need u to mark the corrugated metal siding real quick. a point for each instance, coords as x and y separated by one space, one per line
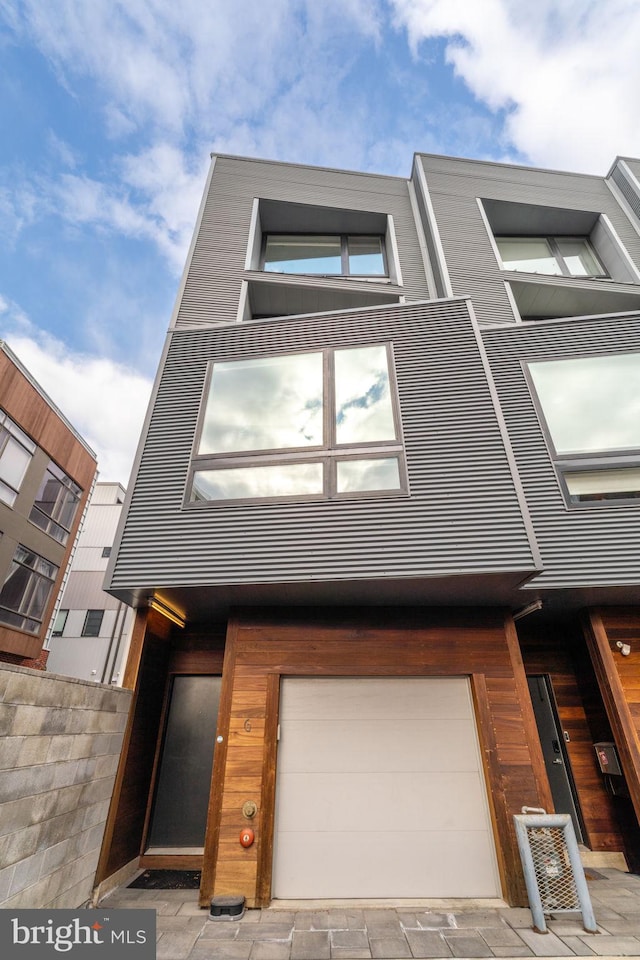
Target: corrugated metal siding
454 186
634 165
627 189
580 547
212 289
463 515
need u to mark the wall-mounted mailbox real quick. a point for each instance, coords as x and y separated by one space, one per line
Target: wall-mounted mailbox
607 757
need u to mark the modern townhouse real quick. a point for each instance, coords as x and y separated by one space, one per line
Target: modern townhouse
383 534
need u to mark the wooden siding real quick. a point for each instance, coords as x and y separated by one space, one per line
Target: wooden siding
619 680
559 651
57 441
157 650
212 288
263 646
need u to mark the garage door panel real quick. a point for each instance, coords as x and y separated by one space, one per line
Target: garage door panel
380 791
362 803
370 698
312 745
426 864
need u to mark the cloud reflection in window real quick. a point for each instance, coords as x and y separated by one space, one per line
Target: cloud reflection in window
264 404
591 404
364 412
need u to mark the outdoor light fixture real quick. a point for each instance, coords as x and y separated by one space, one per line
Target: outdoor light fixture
161 607
525 611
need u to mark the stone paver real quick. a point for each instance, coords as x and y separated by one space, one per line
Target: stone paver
467 944
511 952
269 950
545 944
265 931
342 932
427 943
614 946
310 945
502 936
390 949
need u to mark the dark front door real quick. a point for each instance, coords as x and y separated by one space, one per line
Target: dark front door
179 813
554 751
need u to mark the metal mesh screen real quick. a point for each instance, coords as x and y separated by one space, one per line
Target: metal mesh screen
553 869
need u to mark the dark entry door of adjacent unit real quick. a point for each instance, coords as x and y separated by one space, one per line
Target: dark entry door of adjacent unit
183 783
554 751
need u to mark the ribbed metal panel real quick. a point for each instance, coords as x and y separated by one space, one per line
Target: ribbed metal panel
212 288
590 545
627 189
634 165
455 185
463 514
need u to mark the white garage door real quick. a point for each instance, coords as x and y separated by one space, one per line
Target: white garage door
380 792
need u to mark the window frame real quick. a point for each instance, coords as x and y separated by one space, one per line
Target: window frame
61 615
87 617
34 577
587 461
52 522
552 241
327 454
10 431
344 255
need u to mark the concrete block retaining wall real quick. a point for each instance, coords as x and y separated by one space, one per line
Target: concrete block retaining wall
60 740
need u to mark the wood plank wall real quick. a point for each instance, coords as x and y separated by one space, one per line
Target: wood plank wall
157 651
559 651
619 680
263 646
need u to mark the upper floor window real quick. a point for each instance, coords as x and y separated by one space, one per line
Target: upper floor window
60 623
16 450
56 503
591 406
319 424
555 256
332 254
26 590
92 623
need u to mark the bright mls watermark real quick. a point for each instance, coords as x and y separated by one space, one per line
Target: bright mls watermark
79 934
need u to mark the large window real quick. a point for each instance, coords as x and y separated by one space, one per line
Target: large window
26 591
16 450
556 256
334 255
591 406
56 503
318 424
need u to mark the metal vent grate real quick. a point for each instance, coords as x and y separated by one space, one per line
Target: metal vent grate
552 868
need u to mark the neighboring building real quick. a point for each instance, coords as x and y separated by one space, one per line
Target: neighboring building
46 475
383 533
91 631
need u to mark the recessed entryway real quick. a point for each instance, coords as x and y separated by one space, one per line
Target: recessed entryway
380 791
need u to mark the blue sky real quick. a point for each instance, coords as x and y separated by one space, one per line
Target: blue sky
109 111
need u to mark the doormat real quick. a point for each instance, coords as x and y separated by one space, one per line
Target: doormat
167 880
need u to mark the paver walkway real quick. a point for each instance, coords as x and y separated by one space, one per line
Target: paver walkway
445 930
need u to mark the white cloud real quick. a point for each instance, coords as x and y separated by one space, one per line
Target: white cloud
103 400
567 74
